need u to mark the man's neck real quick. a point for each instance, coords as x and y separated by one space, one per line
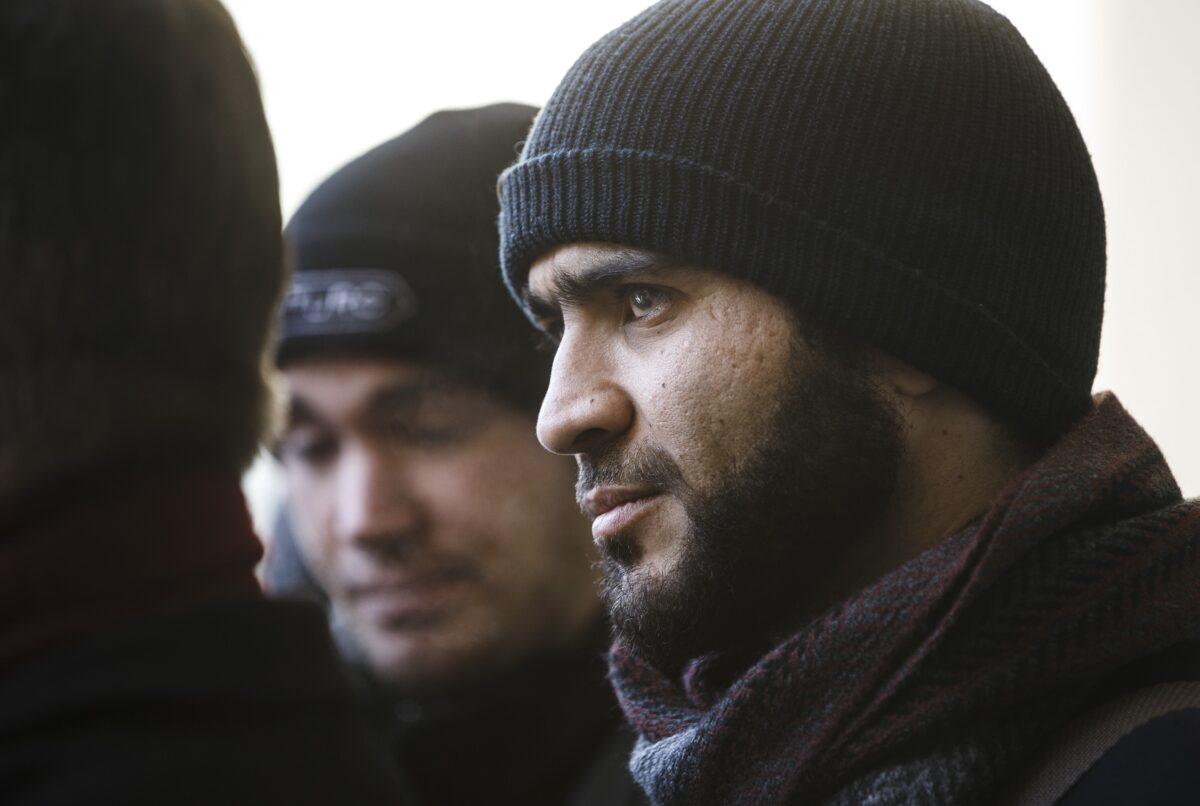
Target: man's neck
957 461
946 482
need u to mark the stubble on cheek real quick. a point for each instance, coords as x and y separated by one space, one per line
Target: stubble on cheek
715 397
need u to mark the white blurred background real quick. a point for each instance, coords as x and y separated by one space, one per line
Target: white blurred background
339 78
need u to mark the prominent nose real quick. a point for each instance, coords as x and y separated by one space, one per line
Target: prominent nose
584 408
376 502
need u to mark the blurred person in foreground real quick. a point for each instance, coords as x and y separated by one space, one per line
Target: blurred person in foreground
826 281
140 262
444 537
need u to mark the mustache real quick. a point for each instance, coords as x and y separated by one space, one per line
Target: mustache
641 466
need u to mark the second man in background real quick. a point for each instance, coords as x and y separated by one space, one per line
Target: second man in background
445 538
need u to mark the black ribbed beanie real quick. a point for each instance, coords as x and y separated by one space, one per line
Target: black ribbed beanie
396 256
905 170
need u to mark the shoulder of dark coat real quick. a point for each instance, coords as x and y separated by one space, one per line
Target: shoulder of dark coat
1157 764
230 701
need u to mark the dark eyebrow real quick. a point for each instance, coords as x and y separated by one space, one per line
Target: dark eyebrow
400 395
382 401
573 288
410 394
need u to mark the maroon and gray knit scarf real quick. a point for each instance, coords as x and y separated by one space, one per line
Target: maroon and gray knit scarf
936 683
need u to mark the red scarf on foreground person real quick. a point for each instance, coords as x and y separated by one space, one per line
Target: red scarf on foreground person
937 682
90 554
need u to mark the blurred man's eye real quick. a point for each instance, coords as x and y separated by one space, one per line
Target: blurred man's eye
438 421
432 430
313 450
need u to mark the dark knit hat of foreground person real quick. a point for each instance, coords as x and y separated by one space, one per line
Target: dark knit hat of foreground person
396 256
905 171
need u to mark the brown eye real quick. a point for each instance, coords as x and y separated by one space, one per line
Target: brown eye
644 301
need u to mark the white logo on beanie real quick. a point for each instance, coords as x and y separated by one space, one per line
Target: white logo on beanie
336 301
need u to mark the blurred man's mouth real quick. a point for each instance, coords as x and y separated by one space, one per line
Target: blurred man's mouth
411 598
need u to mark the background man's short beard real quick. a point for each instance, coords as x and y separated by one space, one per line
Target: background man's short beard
820 478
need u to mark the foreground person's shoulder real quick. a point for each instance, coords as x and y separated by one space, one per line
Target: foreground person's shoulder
1157 764
1142 747
235 700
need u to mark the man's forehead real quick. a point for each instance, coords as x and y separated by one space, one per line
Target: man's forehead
349 369
348 384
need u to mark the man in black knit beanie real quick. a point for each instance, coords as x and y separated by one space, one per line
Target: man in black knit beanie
439 533
826 280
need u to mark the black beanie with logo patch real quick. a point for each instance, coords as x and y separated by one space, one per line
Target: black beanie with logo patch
903 170
396 256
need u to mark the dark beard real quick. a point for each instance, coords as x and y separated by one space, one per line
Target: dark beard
769 533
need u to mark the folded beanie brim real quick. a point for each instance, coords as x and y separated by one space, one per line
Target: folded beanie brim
708 217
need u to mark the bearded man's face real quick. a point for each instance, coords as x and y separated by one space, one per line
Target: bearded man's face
728 464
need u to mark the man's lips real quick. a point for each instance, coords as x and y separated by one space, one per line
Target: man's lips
391 597
614 509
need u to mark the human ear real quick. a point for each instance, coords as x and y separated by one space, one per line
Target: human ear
901 378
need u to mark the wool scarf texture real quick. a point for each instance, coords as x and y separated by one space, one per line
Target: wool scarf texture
939 681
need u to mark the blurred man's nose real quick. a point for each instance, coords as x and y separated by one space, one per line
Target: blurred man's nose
584 408
376 502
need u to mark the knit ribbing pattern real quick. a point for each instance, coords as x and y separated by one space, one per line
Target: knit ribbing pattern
902 169
937 682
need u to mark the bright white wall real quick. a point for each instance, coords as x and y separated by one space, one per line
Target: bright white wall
1131 72
341 77
1148 157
